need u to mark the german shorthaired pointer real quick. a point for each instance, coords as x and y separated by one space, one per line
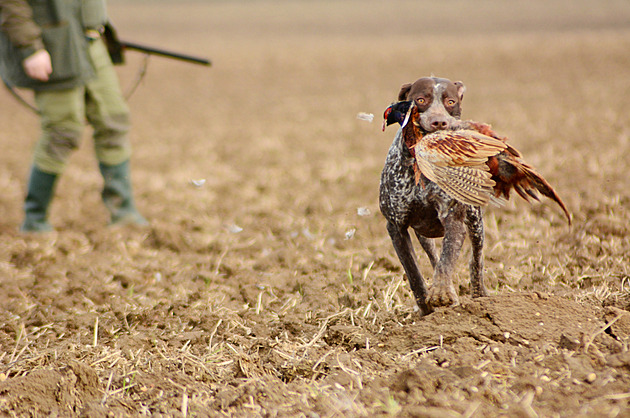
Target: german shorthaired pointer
408 199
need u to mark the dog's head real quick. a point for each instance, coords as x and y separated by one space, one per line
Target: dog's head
438 101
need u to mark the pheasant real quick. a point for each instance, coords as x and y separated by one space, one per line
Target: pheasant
469 161
395 113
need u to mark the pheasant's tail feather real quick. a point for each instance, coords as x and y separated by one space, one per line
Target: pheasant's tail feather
510 172
513 151
546 190
524 192
527 186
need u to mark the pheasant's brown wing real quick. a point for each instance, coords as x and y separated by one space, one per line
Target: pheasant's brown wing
456 162
469 185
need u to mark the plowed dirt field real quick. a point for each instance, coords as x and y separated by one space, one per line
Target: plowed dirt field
266 284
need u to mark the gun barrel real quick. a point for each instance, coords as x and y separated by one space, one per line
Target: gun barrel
164 53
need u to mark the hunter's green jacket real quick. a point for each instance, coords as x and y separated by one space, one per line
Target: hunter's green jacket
59 26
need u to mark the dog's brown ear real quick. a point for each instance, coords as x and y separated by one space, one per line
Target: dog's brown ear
404 89
461 88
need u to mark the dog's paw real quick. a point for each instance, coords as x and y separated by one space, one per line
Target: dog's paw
479 292
423 308
442 294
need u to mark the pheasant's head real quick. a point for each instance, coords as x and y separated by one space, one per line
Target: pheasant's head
395 113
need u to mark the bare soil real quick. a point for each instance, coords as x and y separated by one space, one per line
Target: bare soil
266 284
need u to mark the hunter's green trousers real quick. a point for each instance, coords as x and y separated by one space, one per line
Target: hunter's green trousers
64 113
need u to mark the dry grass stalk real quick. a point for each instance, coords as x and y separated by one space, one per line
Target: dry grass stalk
354 375
109 383
95 341
589 341
184 408
323 328
391 290
213 332
420 351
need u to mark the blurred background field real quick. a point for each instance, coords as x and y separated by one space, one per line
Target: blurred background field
270 286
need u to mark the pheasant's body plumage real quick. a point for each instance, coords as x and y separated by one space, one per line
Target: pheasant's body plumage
473 165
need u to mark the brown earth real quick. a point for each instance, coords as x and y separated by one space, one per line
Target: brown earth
266 284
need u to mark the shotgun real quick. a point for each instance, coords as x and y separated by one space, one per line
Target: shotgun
116 47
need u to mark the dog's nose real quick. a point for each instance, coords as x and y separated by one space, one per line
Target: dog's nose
439 124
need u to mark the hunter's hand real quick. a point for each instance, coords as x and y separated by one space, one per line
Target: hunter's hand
38 65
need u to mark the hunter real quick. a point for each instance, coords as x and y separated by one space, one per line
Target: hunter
55 48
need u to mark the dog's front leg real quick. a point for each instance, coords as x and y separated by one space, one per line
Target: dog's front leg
442 292
404 249
474 224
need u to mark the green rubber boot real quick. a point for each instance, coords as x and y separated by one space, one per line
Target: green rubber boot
118 197
41 187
